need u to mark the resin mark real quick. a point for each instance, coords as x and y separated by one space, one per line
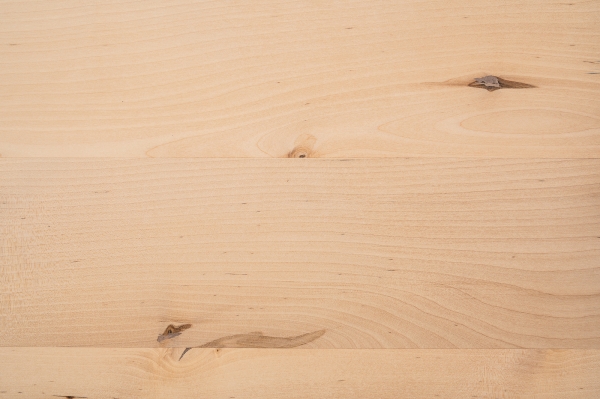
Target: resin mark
258 340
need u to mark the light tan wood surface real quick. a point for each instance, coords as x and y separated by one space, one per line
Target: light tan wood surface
298 373
324 79
440 237
390 253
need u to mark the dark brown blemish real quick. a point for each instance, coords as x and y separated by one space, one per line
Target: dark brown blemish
69 396
171 331
258 340
492 83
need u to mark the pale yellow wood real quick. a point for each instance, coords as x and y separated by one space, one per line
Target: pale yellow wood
390 253
296 373
137 278
320 79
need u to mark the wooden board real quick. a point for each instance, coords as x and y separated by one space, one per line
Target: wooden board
321 79
392 253
440 238
297 373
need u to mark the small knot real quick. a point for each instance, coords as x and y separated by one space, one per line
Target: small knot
300 152
303 147
491 83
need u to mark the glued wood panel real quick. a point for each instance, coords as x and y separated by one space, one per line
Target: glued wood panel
315 79
297 373
395 253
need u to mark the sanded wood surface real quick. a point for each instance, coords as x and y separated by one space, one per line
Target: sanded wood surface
390 253
297 373
438 238
283 78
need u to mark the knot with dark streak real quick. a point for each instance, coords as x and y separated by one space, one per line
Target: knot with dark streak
171 331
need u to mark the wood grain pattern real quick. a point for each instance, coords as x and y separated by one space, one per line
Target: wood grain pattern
391 253
297 373
185 78
442 242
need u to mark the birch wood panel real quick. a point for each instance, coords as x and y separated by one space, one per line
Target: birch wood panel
390 253
355 78
296 373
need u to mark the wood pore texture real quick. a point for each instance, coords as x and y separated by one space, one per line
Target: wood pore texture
310 199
